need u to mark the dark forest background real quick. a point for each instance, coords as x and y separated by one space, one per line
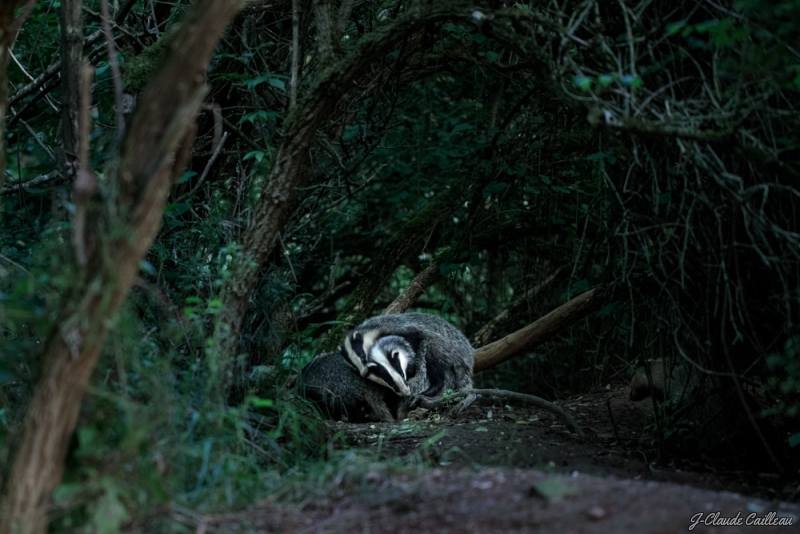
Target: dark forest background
506 156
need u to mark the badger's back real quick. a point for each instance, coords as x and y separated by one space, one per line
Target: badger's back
445 352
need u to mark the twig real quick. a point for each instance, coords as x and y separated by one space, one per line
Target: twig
318 302
38 141
28 75
39 180
288 258
241 135
611 415
295 53
206 170
15 264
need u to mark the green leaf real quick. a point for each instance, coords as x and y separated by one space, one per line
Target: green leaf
257 154
478 37
794 440
544 178
704 27
604 80
584 83
447 304
552 489
257 402
608 309
631 81
494 187
147 267
675 27
433 439
188 175
65 491
259 116
492 56
278 84
532 189
254 82
447 268
561 189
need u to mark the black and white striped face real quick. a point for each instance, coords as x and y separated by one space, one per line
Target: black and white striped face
355 348
388 363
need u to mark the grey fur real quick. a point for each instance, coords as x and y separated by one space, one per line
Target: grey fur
441 350
341 394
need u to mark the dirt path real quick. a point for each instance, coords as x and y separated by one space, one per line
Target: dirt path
518 470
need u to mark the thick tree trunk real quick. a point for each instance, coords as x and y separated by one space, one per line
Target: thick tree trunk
288 174
146 171
540 330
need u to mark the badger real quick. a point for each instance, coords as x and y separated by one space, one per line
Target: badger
342 394
665 381
432 345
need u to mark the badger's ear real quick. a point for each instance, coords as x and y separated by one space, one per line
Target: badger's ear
411 370
396 354
414 337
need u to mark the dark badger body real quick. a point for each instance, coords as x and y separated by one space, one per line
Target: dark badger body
342 394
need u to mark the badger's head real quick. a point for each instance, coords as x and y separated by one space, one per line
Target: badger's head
355 348
391 362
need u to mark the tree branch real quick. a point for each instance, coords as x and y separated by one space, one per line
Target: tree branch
429 276
487 331
540 330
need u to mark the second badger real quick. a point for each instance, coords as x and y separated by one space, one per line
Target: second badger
435 357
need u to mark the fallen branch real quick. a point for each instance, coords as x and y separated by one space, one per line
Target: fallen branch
486 394
487 331
540 330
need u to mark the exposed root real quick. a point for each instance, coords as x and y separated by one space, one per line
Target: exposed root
468 396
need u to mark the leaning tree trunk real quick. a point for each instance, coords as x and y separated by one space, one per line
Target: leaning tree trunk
148 166
541 330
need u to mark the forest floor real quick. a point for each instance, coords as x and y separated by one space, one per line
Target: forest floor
506 469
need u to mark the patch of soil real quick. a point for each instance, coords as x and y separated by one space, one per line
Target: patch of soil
532 437
503 469
511 501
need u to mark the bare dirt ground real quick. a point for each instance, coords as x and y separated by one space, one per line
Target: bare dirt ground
504 469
